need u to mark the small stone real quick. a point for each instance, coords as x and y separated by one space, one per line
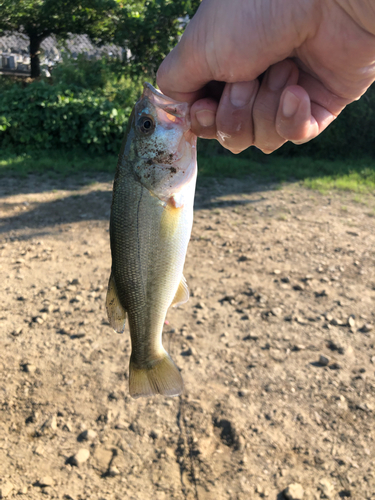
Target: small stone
285 279
46 481
190 351
298 287
243 393
80 457
324 360
326 488
29 368
200 305
113 471
294 492
38 319
276 271
367 328
87 435
75 281
17 332
337 322
276 311
351 321
23 490
5 489
50 424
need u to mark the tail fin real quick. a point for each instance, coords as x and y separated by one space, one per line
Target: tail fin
160 377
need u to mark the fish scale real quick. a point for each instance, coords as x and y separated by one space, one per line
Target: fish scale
150 227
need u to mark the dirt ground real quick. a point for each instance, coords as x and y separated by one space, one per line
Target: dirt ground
276 347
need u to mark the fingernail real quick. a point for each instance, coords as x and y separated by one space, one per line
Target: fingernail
290 104
278 76
205 118
240 93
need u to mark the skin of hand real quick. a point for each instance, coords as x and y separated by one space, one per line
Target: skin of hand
315 57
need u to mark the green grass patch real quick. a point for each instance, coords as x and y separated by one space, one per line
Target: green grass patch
323 175
55 164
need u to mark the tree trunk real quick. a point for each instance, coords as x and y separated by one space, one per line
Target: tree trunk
35 42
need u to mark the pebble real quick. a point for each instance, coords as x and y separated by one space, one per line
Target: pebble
17 332
324 360
113 471
46 481
23 490
80 457
49 424
5 489
326 488
298 287
337 322
294 492
200 305
87 435
190 351
367 328
351 321
276 311
38 319
29 368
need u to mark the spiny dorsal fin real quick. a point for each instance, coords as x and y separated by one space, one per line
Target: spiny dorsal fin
182 294
116 313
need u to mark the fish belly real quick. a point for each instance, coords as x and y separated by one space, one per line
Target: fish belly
148 242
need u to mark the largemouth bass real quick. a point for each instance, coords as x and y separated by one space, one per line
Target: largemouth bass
150 227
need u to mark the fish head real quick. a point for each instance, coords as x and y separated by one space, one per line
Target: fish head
164 146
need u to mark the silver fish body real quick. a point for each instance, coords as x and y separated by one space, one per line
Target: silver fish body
150 227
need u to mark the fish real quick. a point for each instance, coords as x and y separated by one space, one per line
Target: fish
150 227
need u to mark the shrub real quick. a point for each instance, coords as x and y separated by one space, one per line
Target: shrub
44 116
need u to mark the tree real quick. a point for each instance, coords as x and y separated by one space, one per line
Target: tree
39 19
151 28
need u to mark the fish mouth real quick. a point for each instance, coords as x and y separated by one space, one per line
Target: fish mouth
167 104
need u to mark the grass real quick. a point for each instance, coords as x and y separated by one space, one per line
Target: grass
322 175
54 163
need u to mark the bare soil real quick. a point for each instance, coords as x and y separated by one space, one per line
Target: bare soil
276 347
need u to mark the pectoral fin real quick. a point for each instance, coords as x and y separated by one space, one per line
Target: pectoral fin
182 294
116 312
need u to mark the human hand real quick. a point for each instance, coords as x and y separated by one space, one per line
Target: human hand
317 56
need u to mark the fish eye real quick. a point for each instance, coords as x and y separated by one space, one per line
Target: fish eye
146 125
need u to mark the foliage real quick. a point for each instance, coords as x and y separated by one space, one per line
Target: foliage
150 29
101 75
41 116
40 18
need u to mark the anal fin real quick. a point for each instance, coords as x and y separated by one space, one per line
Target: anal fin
182 294
116 312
